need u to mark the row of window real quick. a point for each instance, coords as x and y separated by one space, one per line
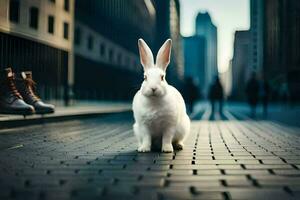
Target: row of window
66 4
113 56
14 16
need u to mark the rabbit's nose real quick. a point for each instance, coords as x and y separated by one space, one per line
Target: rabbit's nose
153 89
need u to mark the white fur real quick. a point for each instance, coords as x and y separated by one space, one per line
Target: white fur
160 113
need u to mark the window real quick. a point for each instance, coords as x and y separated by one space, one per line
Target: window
51 24
102 49
67 5
66 30
77 36
14 10
90 42
34 17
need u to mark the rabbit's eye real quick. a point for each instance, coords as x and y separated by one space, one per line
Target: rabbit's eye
162 77
145 77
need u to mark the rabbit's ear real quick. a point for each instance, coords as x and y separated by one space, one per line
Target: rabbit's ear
164 54
146 55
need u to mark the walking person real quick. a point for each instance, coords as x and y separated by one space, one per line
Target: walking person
191 93
252 90
265 97
216 94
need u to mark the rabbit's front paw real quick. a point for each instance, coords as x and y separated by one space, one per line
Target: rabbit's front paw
167 148
178 145
144 149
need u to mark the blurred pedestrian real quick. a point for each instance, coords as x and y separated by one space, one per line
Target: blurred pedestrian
191 93
252 90
265 97
284 94
216 94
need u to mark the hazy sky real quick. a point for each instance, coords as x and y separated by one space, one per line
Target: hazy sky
227 15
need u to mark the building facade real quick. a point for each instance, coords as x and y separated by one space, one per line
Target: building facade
87 49
206 29
168 26
107 63
241 65
195 60
256 34
282 46
38 36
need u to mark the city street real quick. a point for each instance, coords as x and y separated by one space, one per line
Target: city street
96 158
72 73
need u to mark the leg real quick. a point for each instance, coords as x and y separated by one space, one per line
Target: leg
167 140
192 106
212 114
145 139
178 145
221 107
181 133
212 107
137 134
254 111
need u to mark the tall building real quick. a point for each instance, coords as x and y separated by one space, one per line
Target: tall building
195 60
168 26
226 80
206 29
256 31
241 67
38 36
106 51
87 49
107 64
282 45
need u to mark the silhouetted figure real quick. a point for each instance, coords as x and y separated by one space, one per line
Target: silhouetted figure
265 97
191 93
252 90
216 94
284 94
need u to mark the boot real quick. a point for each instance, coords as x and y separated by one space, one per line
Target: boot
11 102
26 87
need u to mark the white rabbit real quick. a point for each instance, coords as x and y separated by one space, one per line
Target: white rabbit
159 109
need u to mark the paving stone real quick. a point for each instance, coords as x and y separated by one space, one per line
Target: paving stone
186 194
195 167
196 178
273 162
183 172
238 183
259 194
219 162
280 184
263 166
244 171
248 162
288 172
295 162
97 159
200 196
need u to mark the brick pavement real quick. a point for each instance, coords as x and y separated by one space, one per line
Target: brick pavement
96 159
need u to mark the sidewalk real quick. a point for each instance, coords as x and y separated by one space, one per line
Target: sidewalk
97 159
79 110
276 112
